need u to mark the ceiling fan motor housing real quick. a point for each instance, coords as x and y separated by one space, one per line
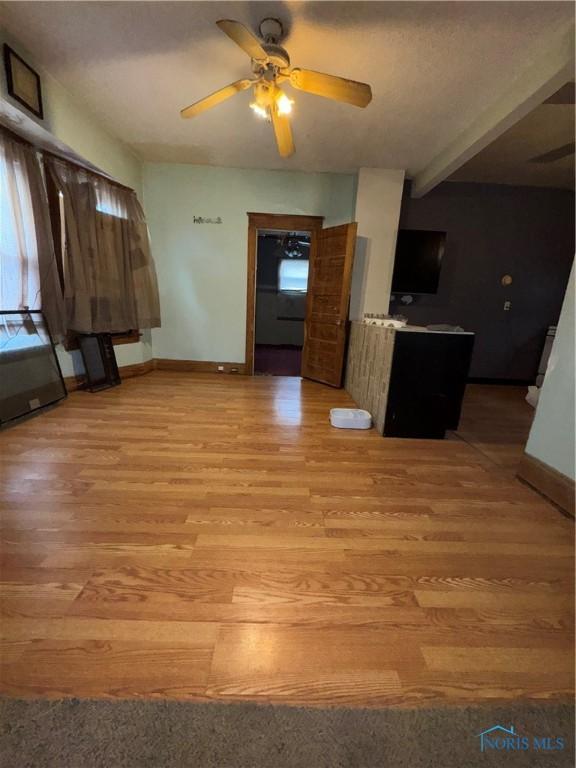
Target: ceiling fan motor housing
277 55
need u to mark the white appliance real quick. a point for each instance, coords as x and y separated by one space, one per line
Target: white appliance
350 418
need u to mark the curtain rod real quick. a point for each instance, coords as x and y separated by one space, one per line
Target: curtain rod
46 153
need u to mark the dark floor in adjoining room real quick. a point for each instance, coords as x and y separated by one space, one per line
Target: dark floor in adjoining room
277 359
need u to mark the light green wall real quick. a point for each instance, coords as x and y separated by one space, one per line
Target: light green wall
552 435
80 131
202 267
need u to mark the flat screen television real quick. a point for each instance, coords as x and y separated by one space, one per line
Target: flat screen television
418 260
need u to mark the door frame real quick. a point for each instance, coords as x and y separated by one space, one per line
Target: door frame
281 222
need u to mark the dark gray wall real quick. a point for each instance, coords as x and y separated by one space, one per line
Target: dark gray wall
493 230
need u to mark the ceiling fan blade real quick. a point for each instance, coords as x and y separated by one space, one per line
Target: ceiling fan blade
331 87
215 98
555 154
242 36
282 131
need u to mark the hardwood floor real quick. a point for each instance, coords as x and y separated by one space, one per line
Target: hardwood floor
204 536
496 420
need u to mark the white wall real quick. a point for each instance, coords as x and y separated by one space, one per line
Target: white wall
71 124
202 267
378 201
551 438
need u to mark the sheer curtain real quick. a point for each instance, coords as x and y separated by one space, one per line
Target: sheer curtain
28 270
109 277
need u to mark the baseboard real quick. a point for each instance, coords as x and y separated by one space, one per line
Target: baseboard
550 483
137 369
164 364
198 366
126 372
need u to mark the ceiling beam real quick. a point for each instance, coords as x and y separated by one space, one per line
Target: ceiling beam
553 68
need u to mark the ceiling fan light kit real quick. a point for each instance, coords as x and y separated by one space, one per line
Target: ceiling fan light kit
270 68
268 97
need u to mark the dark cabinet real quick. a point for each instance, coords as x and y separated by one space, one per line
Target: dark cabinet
428 376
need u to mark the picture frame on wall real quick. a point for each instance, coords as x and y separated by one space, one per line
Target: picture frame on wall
23 82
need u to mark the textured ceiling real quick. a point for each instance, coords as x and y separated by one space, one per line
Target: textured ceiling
509 159
433 67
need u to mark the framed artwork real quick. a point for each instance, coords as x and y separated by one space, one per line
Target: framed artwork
23 82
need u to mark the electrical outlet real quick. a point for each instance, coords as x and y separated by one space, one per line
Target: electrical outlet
221 368
507 305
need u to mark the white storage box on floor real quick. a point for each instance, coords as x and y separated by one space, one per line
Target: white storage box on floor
350 418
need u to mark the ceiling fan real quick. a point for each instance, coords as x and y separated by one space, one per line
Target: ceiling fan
271 68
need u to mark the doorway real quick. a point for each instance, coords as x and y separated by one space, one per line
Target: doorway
280 251
282 265
316 349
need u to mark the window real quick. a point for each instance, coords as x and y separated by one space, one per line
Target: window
106 202
19 278
293 275
19 331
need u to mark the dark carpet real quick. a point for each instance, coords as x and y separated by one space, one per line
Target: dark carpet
74 733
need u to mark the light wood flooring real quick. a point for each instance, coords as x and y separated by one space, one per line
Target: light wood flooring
202 536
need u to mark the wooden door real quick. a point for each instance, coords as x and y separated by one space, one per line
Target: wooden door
326 326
